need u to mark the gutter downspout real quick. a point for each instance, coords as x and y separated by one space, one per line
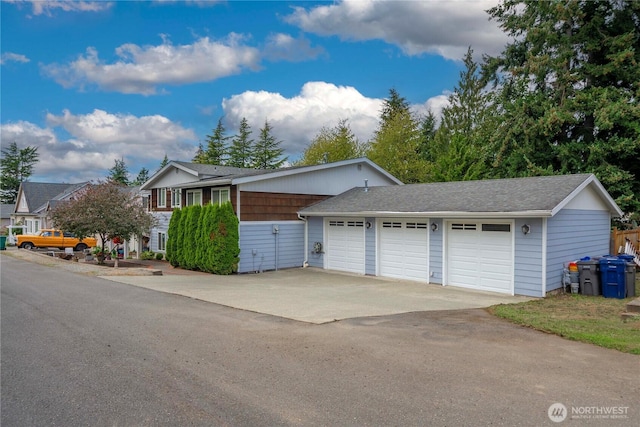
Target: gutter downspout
305 263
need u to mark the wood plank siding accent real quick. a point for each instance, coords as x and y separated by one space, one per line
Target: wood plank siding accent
256 206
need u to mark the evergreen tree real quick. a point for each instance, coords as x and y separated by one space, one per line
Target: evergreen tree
216 151
461 139
568 92
394 104
192 234
428 127
143 176
119 173
172 237
164 162
332 145
16 166
267 153
395 147
200 156
240 153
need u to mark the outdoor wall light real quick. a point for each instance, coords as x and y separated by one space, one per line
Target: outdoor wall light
434 226
367 224
526 229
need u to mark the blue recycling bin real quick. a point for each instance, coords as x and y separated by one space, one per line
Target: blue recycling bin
612 272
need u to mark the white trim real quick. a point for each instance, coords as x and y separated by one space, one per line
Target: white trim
179 204
274 221
429 214
219 189
613 207
156 176
193 192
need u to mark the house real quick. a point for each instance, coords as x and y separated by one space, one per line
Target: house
35 199
266 202
6 209
508 235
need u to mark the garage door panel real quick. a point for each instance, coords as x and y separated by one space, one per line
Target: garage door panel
478 258
345 245
404 249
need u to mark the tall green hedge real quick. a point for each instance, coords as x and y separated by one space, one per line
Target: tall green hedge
204 238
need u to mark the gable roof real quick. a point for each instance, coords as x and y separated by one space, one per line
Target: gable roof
534 196
38 194
6 209
227 175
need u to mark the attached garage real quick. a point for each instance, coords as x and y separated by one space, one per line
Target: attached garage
345 244
503 235
404 251
480 255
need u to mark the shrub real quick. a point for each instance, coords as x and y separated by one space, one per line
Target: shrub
172 238
159 256
147 255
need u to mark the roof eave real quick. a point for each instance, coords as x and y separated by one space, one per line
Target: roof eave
442 214
591 179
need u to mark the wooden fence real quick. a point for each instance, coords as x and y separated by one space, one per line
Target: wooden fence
619 239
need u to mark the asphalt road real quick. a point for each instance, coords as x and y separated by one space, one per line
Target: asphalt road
80 350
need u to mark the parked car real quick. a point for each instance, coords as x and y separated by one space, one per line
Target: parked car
49 238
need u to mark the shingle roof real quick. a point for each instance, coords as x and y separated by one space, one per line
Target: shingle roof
38 193
6 209
215 171
533 194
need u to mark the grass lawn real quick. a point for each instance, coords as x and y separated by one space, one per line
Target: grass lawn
583 318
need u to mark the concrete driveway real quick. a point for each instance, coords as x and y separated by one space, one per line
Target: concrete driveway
318 296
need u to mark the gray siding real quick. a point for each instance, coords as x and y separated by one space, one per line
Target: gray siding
370 248
261 249
435 252
571 235
316 234
163 225
528 258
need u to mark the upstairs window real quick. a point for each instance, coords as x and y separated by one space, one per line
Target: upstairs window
176 198
220 196
162 197
194 197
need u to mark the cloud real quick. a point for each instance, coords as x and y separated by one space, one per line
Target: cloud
141 69
93 141
297 120
443 28
46 7
283 47
12 57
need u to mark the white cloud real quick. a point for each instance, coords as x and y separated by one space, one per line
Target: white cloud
95 140
297 120
12 57
445 28
142 69
283 47
46 7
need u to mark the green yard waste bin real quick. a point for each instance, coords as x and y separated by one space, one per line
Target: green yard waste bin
3 243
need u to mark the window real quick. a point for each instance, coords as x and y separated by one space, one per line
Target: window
220 196
391 224
176 198
461 226
194 197
162 197
162 241
496 227
33 226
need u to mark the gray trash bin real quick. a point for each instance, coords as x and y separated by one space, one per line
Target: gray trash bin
589 277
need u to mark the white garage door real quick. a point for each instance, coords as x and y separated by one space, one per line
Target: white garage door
404 250
345 245
480 256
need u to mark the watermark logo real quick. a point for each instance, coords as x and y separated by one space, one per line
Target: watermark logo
557 412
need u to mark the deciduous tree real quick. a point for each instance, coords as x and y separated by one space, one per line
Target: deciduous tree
332 145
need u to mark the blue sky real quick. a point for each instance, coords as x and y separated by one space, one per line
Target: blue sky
91 82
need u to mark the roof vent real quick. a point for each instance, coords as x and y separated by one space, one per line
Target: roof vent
366 185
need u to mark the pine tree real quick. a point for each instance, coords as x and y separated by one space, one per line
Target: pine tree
200 156
119 173
267 153
143 176
164 162
240 153
16 166
216 151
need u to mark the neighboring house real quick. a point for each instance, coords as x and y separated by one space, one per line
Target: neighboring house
35 199
265 201
510 235
5 214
